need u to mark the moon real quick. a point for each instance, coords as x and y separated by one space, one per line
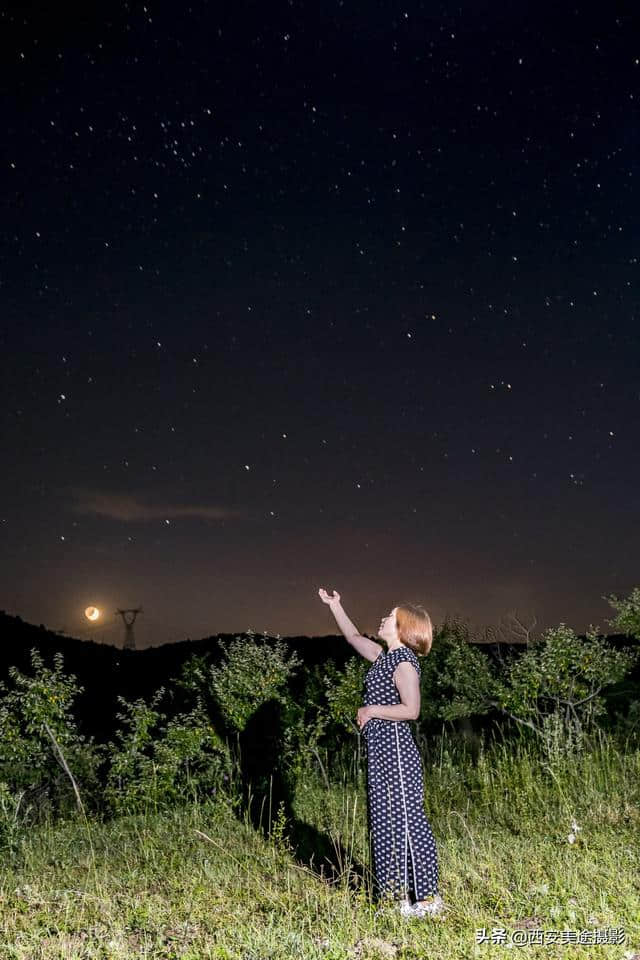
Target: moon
92 613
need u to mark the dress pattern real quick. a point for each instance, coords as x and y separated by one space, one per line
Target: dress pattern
405 859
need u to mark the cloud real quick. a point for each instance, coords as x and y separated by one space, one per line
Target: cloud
132 509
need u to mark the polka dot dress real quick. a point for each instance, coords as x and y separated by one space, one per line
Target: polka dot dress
405 860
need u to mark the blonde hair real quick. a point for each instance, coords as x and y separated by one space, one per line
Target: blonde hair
414 627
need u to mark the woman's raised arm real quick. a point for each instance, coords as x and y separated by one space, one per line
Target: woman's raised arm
369 649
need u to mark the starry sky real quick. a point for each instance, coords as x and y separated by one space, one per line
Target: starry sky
336 295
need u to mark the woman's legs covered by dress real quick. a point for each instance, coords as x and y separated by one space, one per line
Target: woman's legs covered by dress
422 859
385 817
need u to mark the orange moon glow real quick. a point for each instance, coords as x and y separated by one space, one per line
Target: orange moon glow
92 613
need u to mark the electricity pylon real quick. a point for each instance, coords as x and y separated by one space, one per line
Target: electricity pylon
129 636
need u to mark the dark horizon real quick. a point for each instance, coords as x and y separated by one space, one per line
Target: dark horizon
508 631
340 298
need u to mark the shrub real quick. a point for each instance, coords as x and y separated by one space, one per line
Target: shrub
628 616
554 687
344 691
34 781
306 722
157 762
458 678
252 672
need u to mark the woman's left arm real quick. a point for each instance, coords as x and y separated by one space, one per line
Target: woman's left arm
408 684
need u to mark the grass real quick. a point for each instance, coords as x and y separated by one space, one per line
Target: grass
198 882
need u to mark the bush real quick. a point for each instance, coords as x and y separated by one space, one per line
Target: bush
628 613
33 782
458 678
158 762
554 687
251 673
306 723
344 691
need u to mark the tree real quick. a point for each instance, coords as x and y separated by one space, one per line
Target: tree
559 679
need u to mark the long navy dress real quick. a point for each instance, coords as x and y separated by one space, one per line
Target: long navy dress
405 859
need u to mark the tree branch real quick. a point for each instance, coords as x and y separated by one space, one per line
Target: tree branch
63 763
578 703
322 769
526 723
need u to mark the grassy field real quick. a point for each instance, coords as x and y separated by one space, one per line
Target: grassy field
199 882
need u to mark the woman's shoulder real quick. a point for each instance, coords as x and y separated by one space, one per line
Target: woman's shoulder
405 653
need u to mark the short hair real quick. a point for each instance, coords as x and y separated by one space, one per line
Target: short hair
414 627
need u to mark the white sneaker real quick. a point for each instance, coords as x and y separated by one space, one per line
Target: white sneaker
435 906
402 907
405 909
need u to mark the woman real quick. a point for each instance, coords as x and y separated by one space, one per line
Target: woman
405 859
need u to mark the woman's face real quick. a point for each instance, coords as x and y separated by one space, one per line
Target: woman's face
387 630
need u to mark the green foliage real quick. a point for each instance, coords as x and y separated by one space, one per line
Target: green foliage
628 724
628 618
33 780
305 726
157 762
344 691
301 742
194 677
14 812
561 676
191 759
252 672
458 679
551 688
131 770
279 831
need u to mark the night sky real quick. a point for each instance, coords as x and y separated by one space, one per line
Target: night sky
304 295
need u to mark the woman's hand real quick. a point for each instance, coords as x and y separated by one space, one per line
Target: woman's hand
324 596
363 715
